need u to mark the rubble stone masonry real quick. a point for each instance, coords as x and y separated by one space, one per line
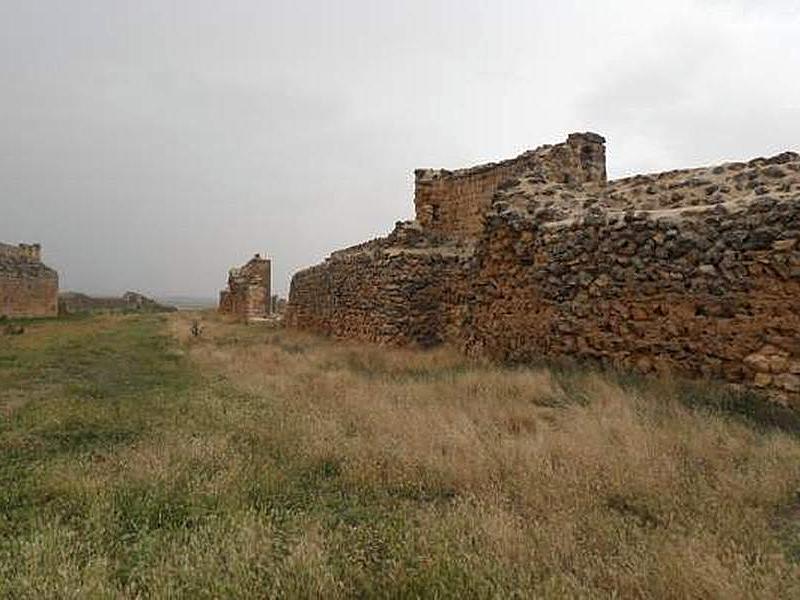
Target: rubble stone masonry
28 288
249 291
694 272
455 203
392 290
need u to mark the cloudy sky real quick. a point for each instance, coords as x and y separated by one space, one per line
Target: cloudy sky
152 144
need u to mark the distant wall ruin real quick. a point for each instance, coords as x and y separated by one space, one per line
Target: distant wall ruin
249 291
28 288
71 303
694 272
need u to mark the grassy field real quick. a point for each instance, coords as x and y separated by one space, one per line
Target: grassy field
136 461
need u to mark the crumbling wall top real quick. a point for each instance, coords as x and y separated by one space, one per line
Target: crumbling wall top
21 252
24 260
730 186
455 203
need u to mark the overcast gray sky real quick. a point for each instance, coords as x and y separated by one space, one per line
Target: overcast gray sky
152 144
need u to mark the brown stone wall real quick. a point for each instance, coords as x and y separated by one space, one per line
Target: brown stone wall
711 291
28 288
249 292
454 203
383 293
26 294
693 272
225 302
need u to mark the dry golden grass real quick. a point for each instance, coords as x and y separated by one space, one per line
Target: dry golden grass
595 490
259 462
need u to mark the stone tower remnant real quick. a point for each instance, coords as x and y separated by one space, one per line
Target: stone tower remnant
28 288
249 291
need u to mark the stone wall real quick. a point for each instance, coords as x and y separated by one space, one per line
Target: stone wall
694 272
28 288
394 290
249 291
454 203
706 292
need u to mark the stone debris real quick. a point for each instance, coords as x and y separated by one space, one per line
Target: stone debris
694 272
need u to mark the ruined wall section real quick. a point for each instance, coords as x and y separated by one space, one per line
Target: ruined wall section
710 291
413 286
395 290
454 203
249 291
77 303
28 288
694 272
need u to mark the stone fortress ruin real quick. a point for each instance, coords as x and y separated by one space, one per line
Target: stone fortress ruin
694 272
249 291
28 288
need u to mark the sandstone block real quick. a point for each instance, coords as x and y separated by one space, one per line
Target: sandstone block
784 245
758 362
763 380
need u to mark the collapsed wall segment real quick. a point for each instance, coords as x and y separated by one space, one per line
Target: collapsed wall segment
691 271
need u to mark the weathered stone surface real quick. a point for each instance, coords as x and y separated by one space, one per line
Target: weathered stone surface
400 289
249 292
788 382
28 288
454 203
695 272
670 306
